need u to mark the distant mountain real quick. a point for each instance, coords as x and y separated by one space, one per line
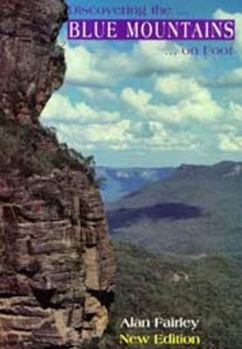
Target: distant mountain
195 211
119 182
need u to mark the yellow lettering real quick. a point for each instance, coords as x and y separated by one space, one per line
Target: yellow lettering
132 339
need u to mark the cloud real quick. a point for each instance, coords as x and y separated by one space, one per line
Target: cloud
100 93
83 67
112 135
104 66
230 142
84 127
146 58
141 102
167 140
190 101
111 132
88 129
233 79
221 14
138 100
121 112
155 57
235 111
61 109
177 87
194 101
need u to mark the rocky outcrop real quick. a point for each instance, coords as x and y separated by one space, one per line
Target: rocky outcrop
32 66
56 264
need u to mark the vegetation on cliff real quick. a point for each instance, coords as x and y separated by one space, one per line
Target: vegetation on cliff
35 150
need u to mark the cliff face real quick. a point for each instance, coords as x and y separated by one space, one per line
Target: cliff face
32 66
56 263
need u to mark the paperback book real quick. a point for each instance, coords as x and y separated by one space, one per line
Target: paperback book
120 174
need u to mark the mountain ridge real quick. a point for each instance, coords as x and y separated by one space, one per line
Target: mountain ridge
119 182
149 216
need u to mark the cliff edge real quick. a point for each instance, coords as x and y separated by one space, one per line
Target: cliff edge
56 264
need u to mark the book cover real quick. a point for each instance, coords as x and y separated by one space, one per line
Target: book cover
120 174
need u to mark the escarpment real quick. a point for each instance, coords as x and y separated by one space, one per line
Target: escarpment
56 264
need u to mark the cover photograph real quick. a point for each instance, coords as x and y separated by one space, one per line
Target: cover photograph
120 174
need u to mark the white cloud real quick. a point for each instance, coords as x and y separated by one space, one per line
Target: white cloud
178 113
139 100
234 77
190 101
84 127
87 128
83 67
231 79
178 87
147 57
221 14
100 93
154 56
230 142
104 66
167 140
111 132
95 134
235 111
60 108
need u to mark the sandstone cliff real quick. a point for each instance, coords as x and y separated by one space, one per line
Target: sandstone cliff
56 264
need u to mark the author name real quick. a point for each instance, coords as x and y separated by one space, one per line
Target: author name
161 323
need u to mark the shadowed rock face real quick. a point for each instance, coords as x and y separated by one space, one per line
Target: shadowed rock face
56 264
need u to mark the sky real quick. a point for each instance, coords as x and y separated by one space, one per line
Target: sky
137 104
